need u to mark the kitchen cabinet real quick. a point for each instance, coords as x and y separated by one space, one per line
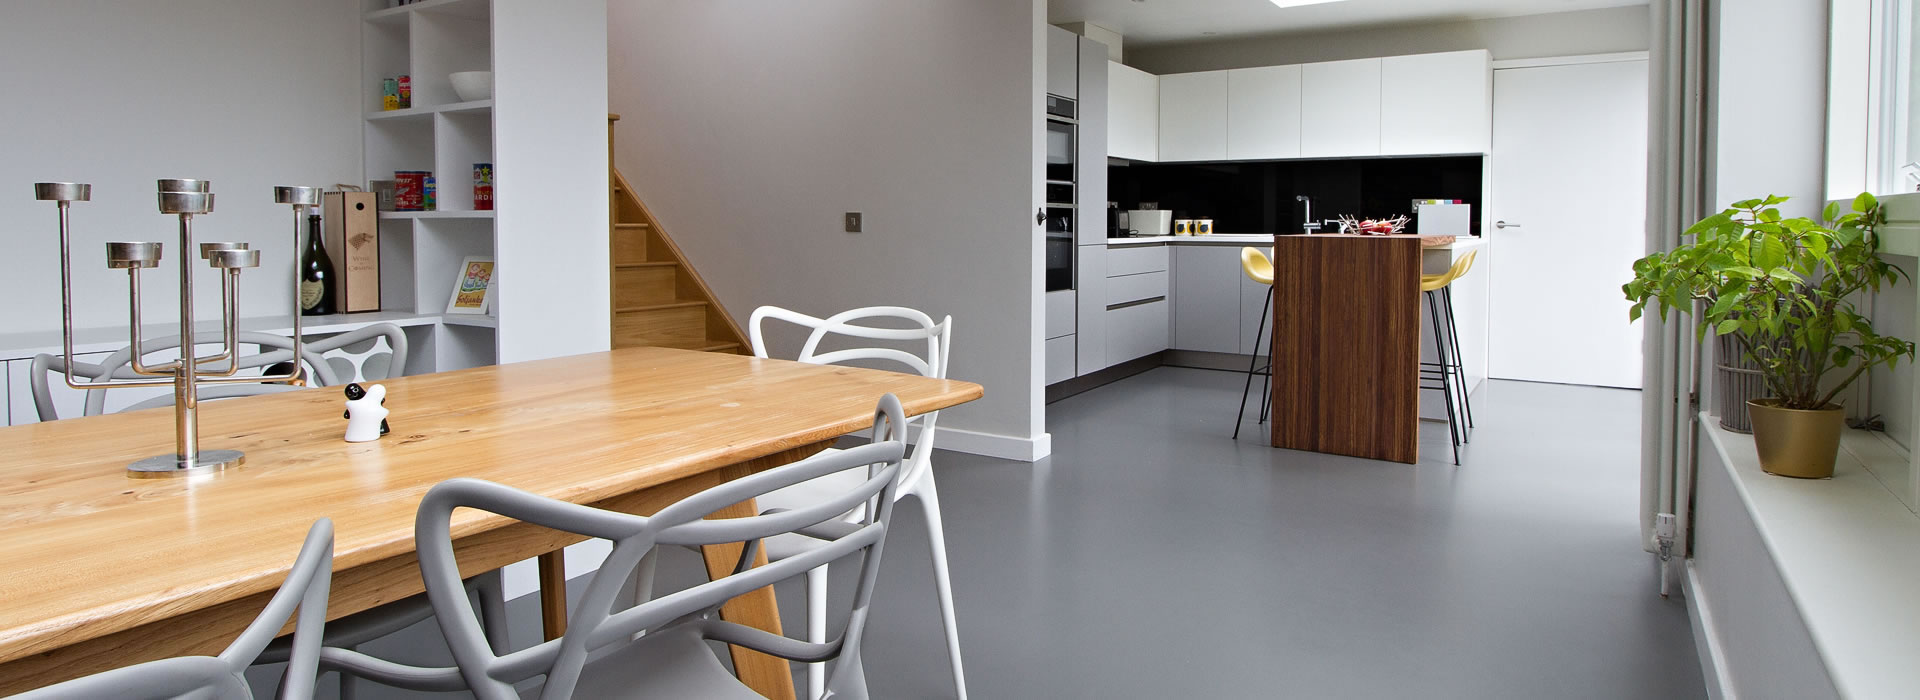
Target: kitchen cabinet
1133 113
1135 260
1263 113
1193 116
1206 298
1063 63
1340 109
1060 311
1436 103
1137 330
1060 359
1090 270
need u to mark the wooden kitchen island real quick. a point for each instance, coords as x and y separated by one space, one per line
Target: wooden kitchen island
1346 345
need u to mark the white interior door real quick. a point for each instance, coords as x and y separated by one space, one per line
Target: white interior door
1569 182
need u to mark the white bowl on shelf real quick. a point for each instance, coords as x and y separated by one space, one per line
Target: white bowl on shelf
472 85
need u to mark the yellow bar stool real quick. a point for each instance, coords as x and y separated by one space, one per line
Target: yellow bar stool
1259 268
1447 373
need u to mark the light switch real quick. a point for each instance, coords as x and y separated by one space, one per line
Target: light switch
853 222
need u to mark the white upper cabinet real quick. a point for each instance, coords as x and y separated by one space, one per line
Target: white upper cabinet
1193 116
1133 113
1063 63
1340 114
1263 113
1436 103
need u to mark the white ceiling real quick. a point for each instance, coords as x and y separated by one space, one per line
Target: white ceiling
1164 21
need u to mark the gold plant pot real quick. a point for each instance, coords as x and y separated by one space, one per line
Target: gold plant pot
1796 443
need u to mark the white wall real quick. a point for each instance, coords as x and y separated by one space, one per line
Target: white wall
248 94
550 126
1534 36
748 128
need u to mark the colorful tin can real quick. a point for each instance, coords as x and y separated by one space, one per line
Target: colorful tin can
482 186
430 202
409 190
405 91
390 94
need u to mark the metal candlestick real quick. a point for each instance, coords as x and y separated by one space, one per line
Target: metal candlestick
185 199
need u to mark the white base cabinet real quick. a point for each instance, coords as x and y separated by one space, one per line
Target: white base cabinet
1060 365
1206 298
1138 311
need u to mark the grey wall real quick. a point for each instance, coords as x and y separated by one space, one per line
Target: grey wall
749 127
1561 34
120 94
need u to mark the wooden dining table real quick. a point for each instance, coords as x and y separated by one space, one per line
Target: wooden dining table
98 570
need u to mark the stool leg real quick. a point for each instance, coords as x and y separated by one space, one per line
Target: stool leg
1446 385
1252 362
1459 360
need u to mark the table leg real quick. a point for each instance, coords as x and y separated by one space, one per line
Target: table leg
767 675
553 593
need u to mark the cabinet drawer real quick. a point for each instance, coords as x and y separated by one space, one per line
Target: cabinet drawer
1136 331
1133 261
1060 359
1060 313
1136 288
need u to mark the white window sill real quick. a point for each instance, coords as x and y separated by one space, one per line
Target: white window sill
1848 550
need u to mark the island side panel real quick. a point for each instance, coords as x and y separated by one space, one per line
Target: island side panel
1346 346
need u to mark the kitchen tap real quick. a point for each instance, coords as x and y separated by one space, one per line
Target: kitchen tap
1307 224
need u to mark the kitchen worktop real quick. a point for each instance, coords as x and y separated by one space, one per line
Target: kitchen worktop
1460 243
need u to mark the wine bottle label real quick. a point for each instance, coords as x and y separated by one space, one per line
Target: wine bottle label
310 293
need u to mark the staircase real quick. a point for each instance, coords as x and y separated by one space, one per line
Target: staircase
658 299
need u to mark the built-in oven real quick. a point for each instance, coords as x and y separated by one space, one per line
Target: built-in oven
1062 144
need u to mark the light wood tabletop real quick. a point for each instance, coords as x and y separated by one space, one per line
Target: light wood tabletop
101 570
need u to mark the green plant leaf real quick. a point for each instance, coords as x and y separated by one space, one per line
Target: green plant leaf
1832 210
1727 326
1864 202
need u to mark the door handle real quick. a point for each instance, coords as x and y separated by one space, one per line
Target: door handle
1503 224
1040 217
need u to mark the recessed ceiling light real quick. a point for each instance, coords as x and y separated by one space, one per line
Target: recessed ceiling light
1297 3
1209 33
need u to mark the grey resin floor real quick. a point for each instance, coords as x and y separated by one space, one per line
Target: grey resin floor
1152 557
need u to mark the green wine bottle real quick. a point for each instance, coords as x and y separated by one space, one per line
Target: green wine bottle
316 273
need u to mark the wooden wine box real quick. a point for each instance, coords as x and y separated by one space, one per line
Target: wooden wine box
352 226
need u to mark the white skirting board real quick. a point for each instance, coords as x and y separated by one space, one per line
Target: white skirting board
1019 449
1706 640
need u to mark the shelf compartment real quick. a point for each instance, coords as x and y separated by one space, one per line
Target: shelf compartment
439 244
435 214
461 139
446 41
386 54
379 13
398 144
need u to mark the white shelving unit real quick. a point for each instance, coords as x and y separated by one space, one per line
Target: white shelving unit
440 133
551 153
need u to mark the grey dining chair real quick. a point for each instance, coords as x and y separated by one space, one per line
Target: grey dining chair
344 366
920 346
220 677
656 648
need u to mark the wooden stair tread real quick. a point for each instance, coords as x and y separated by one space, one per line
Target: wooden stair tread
628 226
638 265
718 347
658 307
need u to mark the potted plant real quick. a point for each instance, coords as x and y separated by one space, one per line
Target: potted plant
1784 288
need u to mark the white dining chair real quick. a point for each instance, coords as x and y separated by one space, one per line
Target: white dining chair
658 648
356 355
222 677
932 341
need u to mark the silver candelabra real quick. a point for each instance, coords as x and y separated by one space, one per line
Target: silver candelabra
186 199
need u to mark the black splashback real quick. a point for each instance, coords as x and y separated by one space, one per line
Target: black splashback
1258 196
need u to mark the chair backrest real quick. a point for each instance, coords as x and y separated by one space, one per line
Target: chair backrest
593 626
274 349
221 677
857 325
